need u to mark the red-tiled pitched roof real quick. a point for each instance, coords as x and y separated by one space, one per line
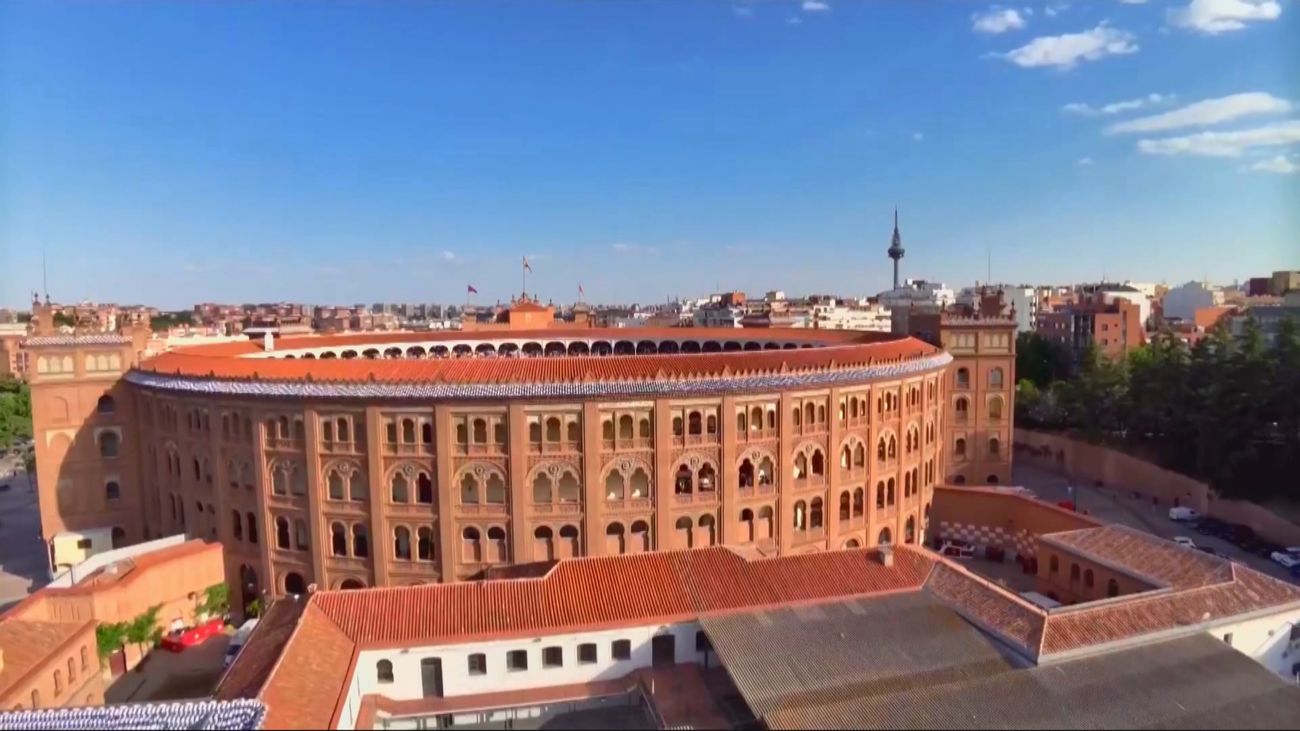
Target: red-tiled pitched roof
612 591
843 349
995 609
29 645
304 687
1145 555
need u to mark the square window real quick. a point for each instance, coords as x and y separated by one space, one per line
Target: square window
553 657
517 661
587 653
478 664
622 650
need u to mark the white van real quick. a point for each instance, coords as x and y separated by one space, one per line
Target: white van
1181 514
237 642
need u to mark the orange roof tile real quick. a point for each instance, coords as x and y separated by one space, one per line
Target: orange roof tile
28 645
1144 555
303 689
841 349
612 591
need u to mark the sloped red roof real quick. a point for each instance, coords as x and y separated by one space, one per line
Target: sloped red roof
838 349
611 591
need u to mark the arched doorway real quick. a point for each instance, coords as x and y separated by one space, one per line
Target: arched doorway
249 591
294 583
350 584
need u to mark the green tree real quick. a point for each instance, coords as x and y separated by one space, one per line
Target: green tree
15 411
109 638
255 607
144 630
215 601
1040 360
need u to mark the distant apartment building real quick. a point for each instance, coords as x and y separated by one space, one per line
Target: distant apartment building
1267 317
1284 281
1182 302
1114 326
1022 298
723 310
834 315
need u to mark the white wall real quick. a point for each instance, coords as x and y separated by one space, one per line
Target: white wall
1182 302
456 681
1266 640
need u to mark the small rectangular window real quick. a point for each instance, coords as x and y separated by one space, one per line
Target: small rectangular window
587 653
478 664
622 650
553 657
83 544
517 661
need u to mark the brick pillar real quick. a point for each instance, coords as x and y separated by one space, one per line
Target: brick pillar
728 474
320 542
521 495
593 495
265 538
448 552
784 483
831 509
381 552
663 478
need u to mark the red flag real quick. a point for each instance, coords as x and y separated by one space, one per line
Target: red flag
472 290
580 292
527 267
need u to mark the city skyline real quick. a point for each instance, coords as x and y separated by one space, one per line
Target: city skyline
396 153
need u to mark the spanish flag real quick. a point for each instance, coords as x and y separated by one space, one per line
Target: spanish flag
472 290
527 266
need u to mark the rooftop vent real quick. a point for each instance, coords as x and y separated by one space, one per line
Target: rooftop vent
886 556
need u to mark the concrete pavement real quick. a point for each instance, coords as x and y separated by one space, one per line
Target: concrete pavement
24 566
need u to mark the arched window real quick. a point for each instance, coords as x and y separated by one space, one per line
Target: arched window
426 433
639 484
338 539
995 378
402 543
800 516
607 430
859 456
708 478
105 405
423 489
109 445
360 541
469 490
496 490
497 540
384 671
859 500
694 424
112 491
282 532
499 432
959 448
1088 578
424 544
882 449
684 483
1054 565
995 408
909 530
1112 588
544 545
1074 573
818 463
236 523
357 486
542 493
480 431
335 485
963 378
880 495
462 433
553 429
401 488
798 416
58 682
643 428
685 529
893 446
746 473
742 422
677 426
885 537
300 535
993 447
846 511
344 432
711 424
614 485
624 427
889 491
816 515
279 480
809 414
408 431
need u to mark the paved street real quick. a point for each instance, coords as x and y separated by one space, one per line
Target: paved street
23 564
1116 504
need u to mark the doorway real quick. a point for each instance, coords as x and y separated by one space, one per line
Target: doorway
663 650
431 677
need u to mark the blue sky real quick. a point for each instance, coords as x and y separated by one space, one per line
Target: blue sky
362 152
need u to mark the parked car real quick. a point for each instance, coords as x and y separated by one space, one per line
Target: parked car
179 639
1182 514
1067 504
1184 542
1210 551
1286 560
237 642
957 549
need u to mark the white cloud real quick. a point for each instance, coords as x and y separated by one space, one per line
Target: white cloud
1066 51
917 136
626 248
1134 2
997 20
1279 165
1117 107
793 20
814 6
1055 9
1205 113
1084 161
448 256
1225 144
1221 16
743 11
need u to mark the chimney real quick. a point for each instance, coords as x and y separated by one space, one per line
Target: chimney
268 341
886 555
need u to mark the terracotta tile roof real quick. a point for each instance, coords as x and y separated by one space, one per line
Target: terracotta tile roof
839 351
131 569
28 644
1088 626
303 689
246 677
612 591
988 606
69 340
1145 555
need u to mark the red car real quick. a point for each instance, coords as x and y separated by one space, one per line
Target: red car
179 639
1067 504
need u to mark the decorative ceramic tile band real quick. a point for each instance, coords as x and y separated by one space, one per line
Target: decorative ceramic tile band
558 390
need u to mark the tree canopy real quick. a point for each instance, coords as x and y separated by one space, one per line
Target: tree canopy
15 411
1226 411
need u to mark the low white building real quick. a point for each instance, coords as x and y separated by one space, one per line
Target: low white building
838 316
1182 302
917 292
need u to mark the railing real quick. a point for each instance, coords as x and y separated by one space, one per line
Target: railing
404 448
483 509
636 503
557 508
339 446
754 435
809 482
853 523
553 447
283 443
